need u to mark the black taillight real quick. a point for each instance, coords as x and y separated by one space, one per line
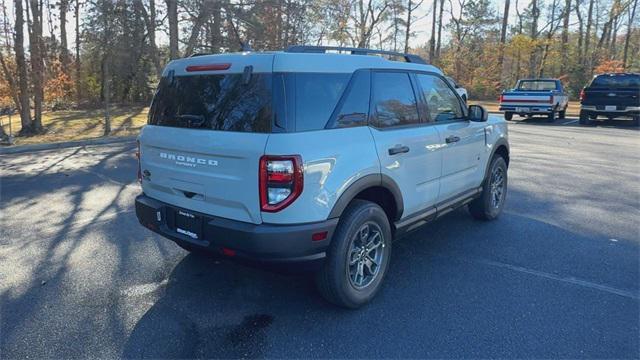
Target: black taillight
281 181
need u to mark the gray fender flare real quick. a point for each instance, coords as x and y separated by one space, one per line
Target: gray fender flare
499 143
364 183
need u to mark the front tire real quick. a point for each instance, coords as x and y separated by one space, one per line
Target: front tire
358 257
494 192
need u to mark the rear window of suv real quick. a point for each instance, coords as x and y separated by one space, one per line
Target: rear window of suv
229 102
616 81
282 102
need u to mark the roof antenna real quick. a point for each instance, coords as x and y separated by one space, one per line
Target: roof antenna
243 46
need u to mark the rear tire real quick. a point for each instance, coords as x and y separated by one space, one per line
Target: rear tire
584 119
562 114
494 192
358 257
636 120
551 117
508 116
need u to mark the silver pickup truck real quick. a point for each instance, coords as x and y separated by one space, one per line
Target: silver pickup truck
535 97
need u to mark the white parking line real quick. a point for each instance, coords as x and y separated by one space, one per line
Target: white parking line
569 122
571 280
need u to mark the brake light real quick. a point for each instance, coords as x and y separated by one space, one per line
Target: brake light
208 67
281 181
138 155
582 95
501 99
551 99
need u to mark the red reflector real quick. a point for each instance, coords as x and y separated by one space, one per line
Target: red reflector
228 252
210 67
319 236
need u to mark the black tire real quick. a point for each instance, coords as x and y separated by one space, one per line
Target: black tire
335 279
562 114
584 118
483 208
508 116
636 120
551 117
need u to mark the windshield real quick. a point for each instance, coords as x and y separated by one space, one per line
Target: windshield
216 102
616 81
537 85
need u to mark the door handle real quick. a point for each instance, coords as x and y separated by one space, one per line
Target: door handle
398 149
452 139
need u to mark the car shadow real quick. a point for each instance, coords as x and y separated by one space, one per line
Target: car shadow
443 285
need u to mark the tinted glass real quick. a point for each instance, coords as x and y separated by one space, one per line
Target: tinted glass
537 85
616 81
442 102
395 102
316 96
215 102
355 107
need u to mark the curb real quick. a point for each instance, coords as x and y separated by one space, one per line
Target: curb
18 149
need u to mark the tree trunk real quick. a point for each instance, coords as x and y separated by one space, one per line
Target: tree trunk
21 64
439 42
150 23
407 33
106 94
627 37
565 35
78 80
580 29
503 35
64 51
432 42
535 14
586 60
202 17
37 63
172 14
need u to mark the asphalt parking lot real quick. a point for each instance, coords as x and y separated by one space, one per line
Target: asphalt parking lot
556 276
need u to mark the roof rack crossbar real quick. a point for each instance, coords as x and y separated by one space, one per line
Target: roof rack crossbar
410 58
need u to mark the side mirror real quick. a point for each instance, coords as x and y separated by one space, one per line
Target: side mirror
478 113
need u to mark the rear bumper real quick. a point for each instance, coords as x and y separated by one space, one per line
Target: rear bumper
527 109
621 111
269 243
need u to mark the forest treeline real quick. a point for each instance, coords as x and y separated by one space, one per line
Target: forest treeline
57 54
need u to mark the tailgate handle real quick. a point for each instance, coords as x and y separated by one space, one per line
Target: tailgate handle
189 194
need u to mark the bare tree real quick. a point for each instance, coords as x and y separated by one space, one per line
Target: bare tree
37 63
587 36
21 64
535 15
78 79
64 51
172 15
565 34
366 18
150 22
503 33
627 37
411 7
432 42
439 42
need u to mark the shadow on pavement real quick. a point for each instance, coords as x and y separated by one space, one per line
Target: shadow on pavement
442 298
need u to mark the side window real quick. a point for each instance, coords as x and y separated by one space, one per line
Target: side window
442 102
316 96
394 101
355 107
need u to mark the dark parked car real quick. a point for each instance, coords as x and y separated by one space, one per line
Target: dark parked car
611 96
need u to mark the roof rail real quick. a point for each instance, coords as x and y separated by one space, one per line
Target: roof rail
410 58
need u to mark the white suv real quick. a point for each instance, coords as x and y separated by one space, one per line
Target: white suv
308 156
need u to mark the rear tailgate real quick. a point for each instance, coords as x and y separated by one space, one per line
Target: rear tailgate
618 97
526 98
208 126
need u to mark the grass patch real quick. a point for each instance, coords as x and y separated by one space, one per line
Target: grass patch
67 125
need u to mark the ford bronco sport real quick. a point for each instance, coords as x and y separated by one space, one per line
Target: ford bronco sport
314 155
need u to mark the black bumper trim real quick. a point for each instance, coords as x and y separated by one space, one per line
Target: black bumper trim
257 242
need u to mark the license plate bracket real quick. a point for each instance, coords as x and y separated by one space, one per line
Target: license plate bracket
610 108
188 224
